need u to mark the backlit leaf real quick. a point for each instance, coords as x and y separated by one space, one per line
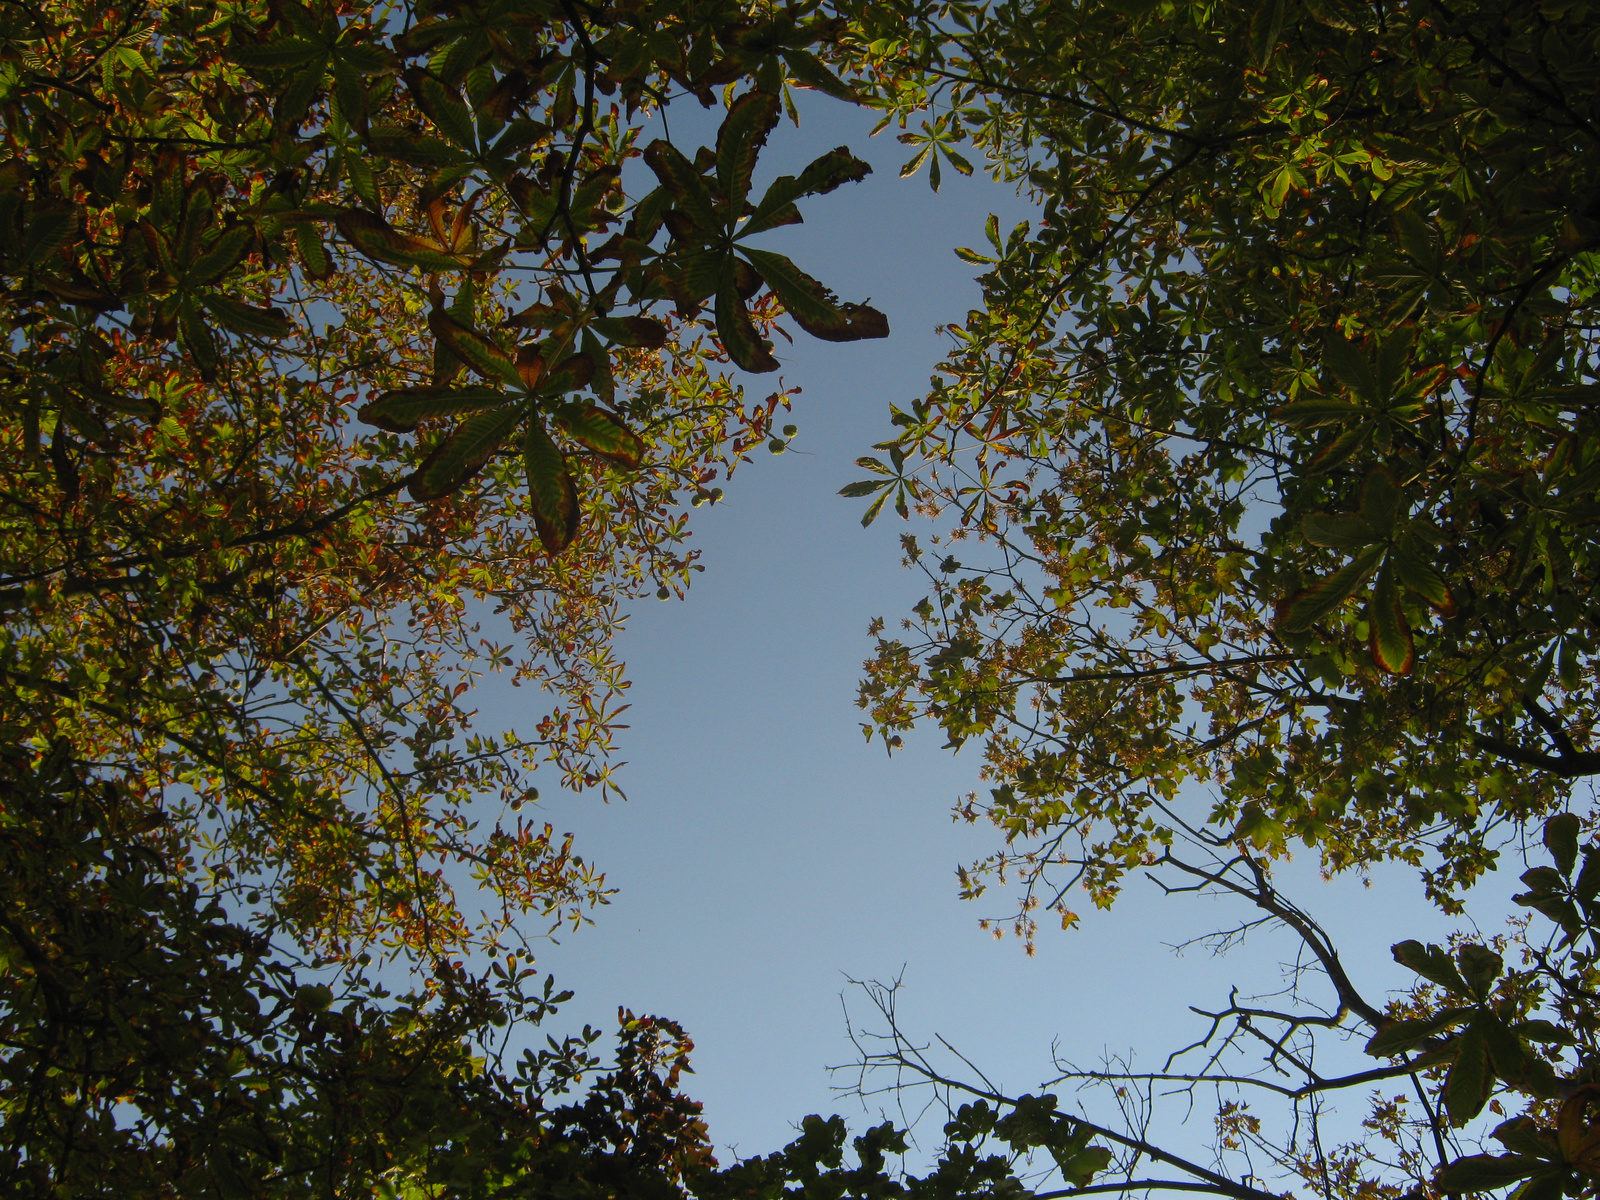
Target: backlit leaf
737 333
551 492
603 432
1300 611
464 452
814 308
400 411
1389 635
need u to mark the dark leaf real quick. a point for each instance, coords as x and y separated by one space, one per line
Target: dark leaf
219 260
1348 532
1399 1038
814 308
738 334
463 454
744 132
1299 612
832 169
864 488
46 232
1486 1172
603 432
1349 366
248 319
1432 964
400 411
1388 633
685 185
632 331
1380 500
1466 1088
551 491
1480 967
1561 839
197 340
277 56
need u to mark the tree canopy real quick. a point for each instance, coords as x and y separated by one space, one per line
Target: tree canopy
350 341
1269 461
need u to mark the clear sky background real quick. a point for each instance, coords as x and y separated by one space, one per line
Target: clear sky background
767 853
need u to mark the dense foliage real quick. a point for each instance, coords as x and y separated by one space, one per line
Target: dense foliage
1269 461
225 232
345 371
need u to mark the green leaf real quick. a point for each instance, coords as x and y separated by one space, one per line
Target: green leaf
1080 1168
1420 579
349 87
1350 367
871 515
462 455
277 56
1318 411
737 332
1432 964
1486 1172
552 493
401 410
362 180
814 308
1561 839
1300 611
1399 1038
408 147
381 242
446 110
1466 1088
1266 23
1346 532
821 176
1339 451
314 258
471 347
809 71
739 141
294 100
603 432
1480 967
864 488
683 183
1380 500
249 319
219 260
1389 635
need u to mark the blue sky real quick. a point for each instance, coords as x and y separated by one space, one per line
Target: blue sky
767 852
